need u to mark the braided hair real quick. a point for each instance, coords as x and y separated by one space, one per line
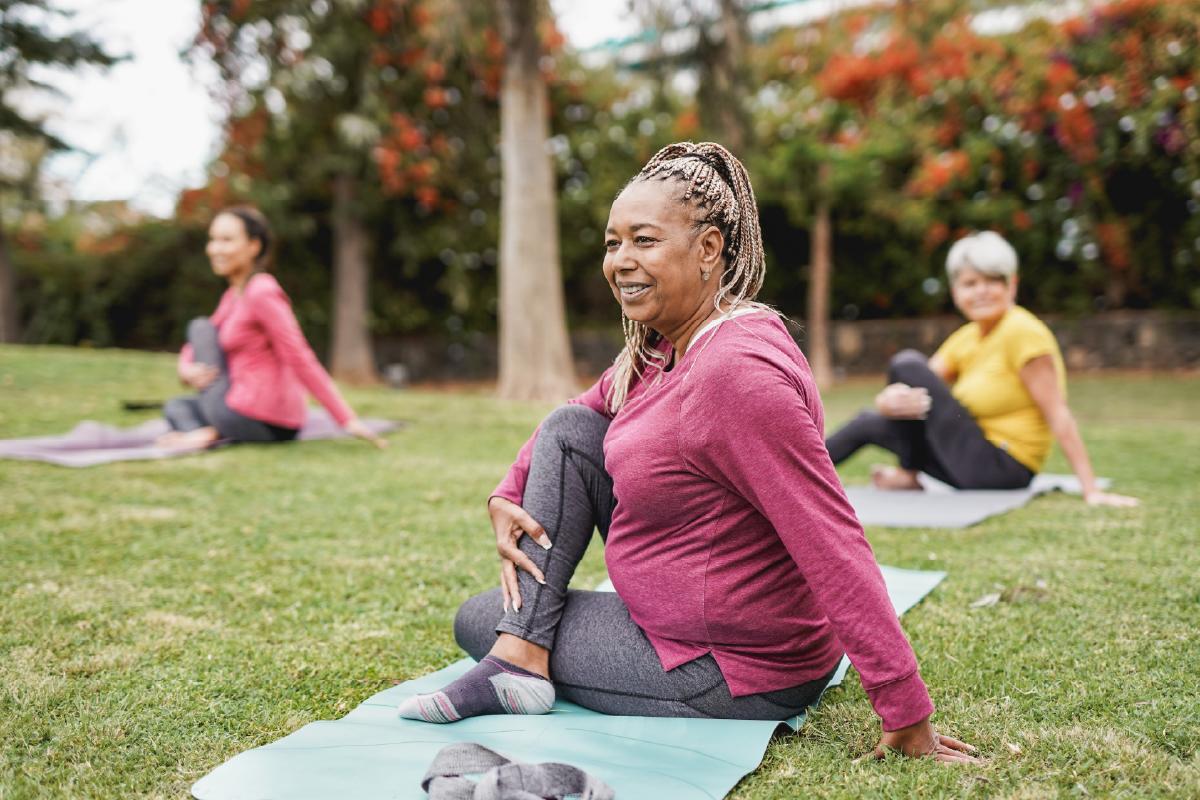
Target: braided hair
716 184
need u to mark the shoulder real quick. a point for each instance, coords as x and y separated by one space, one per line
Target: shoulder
1022 323
749 356
264 289
262 283
961 336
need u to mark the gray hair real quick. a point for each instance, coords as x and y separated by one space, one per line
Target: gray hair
986 252
717 184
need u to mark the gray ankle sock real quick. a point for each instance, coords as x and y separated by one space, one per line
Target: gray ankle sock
493 686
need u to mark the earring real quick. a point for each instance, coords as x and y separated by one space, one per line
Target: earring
706 275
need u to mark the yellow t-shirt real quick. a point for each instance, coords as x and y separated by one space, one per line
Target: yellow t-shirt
988 381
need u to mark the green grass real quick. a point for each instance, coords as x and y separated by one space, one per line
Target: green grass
157 618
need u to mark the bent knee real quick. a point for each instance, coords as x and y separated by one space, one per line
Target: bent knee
475 623
573 421
199 326
907 365
572 415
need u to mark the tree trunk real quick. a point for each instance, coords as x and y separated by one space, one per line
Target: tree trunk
10 324
721 51
734 122
352 358
535 352
820 268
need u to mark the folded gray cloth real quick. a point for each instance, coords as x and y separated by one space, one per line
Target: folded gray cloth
504 779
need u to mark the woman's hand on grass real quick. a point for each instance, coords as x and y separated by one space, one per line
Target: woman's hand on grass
1098 498
922 741
901 401
358 428
198 376
511 522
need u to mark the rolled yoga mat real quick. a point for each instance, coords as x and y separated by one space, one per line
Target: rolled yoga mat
942 506
89 443
373 754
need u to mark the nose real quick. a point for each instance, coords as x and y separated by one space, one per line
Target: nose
622 257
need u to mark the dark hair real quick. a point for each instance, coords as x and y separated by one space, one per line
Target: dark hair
257 229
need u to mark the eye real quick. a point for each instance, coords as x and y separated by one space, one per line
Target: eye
611 244
643 240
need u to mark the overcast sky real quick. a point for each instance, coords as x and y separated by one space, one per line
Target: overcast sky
147 127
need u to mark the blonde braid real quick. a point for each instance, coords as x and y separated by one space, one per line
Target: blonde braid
715 182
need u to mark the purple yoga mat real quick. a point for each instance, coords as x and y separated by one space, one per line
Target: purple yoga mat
91 443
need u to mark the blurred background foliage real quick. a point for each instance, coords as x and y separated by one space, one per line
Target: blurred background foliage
1076 138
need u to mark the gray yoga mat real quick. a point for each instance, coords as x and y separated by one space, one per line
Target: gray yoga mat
90 443
372 754
942 506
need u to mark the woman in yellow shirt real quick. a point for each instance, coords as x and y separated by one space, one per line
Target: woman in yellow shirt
983 411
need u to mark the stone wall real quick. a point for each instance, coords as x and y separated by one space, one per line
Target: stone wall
1113 340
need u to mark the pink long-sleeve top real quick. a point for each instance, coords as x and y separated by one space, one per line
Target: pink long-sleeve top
270 362
732 534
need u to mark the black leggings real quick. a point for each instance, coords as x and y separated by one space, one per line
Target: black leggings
948 444
599 657
208 407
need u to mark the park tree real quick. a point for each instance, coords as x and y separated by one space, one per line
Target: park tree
28 46
535 352
339 103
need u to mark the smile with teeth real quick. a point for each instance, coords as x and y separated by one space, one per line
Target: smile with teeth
632 290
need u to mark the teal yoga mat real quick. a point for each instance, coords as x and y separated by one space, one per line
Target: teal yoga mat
371 754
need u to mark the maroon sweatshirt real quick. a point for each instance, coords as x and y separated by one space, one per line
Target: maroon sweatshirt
732 534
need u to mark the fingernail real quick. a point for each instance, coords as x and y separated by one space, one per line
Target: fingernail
542 581
506 608
544 541
517 606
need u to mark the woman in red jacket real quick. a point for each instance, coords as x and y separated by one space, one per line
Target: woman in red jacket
249 362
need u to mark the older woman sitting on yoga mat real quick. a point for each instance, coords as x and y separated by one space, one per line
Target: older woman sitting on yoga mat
249 362
981 412
741 573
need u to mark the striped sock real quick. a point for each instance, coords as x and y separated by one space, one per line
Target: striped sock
493 686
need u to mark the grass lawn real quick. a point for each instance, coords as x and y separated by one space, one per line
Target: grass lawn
158 617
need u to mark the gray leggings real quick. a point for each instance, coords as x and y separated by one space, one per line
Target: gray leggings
599 657
208 407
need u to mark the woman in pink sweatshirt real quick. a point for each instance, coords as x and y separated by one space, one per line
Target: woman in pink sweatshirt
741 572
249 361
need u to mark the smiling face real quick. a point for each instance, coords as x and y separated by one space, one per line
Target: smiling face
982 298
655 259
230 250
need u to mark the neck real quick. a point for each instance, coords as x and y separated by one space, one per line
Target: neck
238 279
987 326
680 336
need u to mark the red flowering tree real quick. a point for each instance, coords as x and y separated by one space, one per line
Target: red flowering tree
1075 140
358 111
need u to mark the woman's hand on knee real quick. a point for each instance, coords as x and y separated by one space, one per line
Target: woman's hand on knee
922 741
198 376
511 522
901 401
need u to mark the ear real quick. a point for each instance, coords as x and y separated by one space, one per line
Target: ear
1012 288
712 244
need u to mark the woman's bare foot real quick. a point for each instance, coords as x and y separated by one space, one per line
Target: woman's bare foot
188 440
894 478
